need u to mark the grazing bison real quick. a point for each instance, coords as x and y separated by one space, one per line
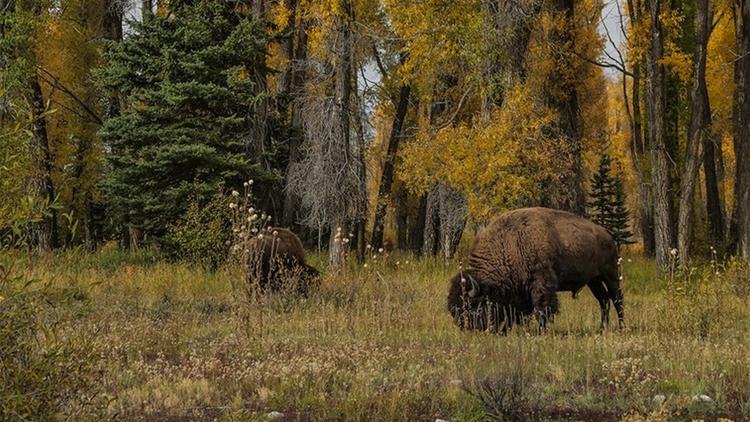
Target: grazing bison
519 263
276 259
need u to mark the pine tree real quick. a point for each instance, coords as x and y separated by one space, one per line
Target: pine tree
618 224
608 203
186 81
602 190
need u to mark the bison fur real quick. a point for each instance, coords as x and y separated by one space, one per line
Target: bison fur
519 263
276 260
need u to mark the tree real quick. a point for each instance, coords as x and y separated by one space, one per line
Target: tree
741 120
700 120
602 192
620 219
608 202
657 137
187 88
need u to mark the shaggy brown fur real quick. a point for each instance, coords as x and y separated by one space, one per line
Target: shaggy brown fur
276 259
520 262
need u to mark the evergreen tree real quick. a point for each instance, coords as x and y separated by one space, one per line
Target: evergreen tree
186 83
618 222
602 191
608 202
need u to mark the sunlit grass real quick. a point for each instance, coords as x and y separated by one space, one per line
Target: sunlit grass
377 343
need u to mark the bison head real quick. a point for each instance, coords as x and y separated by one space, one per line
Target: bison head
467 302
475 304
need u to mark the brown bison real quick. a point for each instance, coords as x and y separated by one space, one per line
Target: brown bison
276 259
519 263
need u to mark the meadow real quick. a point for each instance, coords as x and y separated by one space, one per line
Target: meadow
130 336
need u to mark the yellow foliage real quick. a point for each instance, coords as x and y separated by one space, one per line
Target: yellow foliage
497 165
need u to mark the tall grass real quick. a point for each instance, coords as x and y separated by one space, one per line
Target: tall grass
377 343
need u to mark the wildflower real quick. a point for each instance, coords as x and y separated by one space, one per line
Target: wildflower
254 230
346 240
380 250
368 246
365 266
619 260
673 252
260 236
232 205
235 193
245 184
251 210
250 182
630 260
406 262
275 232
398 262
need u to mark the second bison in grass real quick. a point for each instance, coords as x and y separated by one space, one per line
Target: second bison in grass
276 261
520 262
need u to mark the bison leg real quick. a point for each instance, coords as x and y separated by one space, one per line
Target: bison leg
615 294
602 296
544 297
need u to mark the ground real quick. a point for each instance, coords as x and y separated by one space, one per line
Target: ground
156 340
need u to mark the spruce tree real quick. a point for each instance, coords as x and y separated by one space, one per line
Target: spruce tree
619 220
602 190
608 202
186 83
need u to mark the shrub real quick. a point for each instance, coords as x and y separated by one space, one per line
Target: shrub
201 236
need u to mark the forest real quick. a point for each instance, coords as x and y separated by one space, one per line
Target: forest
386 134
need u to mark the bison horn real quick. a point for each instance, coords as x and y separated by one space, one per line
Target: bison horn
474 291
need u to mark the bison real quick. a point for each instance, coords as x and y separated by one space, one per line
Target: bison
276 259
519 263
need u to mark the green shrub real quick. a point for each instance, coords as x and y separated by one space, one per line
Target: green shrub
203 233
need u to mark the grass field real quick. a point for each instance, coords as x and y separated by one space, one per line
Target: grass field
133 337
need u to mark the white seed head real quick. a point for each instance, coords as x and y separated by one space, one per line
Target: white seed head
245 184
380 250
275 232
235 193
232 205
673 252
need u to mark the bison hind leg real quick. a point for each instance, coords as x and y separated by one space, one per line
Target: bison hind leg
602 296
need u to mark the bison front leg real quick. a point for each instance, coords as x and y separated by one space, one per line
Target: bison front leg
544 297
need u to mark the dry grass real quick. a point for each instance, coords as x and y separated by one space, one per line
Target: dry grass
171 342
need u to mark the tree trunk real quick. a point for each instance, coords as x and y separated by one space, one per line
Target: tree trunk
698 132
511 25
714 201
147 9
402 218
417 226
386 181
657 143
297 90
45 231
573 197
741 214
638 146
343 88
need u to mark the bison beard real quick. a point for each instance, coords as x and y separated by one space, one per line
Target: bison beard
276 259
520 262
